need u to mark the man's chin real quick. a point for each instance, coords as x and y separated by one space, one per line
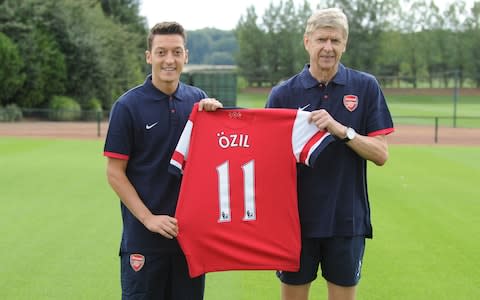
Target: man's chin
327 66
170 79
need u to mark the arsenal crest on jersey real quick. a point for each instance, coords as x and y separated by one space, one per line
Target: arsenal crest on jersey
137 261
350 102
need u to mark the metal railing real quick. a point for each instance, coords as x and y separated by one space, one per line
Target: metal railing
437 123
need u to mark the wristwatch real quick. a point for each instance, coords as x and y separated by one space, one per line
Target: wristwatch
350 134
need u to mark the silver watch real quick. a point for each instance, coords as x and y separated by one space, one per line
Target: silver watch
350 135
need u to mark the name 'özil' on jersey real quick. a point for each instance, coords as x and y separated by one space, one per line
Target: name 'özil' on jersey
237 208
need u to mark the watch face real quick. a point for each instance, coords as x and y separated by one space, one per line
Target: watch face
350 133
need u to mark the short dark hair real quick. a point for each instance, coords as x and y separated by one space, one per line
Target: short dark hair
166 28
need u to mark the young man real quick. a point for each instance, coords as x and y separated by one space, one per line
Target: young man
333 199
145 125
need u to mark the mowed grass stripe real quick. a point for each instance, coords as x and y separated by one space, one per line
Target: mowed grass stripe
425 207
60 227
59 224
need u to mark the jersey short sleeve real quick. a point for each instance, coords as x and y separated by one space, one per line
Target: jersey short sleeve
119 141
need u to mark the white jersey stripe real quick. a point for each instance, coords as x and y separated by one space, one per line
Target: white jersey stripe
176 164
184 144
314 147
302 132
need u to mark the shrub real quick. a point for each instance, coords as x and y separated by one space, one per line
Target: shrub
92 108
242 83
10 113
13 113
63 108
3 115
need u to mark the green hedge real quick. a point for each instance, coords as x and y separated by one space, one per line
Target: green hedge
64 108
10 113
92 109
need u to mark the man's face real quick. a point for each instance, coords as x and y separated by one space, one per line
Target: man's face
167 57
325 47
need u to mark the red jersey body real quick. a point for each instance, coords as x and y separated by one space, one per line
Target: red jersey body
237 208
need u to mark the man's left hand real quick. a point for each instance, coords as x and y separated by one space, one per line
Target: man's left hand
209 104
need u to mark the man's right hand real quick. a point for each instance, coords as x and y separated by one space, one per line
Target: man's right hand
163 224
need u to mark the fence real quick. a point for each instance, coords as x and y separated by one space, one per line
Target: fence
436 130
94 124
48 122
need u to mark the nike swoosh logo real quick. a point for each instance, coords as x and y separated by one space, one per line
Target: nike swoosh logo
303 108
150 126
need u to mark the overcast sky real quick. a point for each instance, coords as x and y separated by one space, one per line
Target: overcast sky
220 14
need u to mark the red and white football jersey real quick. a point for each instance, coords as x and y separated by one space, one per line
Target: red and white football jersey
237 208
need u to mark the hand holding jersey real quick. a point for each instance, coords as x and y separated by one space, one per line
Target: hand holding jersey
370 148
209 104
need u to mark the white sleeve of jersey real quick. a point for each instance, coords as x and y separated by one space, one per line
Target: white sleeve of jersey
306 137
180 155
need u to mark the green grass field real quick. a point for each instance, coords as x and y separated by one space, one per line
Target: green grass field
60 223
60 227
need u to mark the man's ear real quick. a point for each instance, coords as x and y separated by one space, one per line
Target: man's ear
148 57
305 41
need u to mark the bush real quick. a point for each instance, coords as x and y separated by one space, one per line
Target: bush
242 83
64 108
92 108
11 113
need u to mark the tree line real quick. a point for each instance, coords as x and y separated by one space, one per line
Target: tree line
83 49
93 50
392 39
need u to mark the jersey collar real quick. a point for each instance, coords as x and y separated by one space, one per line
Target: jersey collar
309 81
180 94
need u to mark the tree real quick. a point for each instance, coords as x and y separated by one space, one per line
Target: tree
300 54
45 66
430 36
211 46
273 42
455 15
289 40
472 35
367 20
391 57
226 43
252 52
43 60
411 24
199 44
219 58
11 75
125 12
103 58
100 56
282 44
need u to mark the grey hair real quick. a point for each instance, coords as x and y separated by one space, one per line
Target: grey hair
328 18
